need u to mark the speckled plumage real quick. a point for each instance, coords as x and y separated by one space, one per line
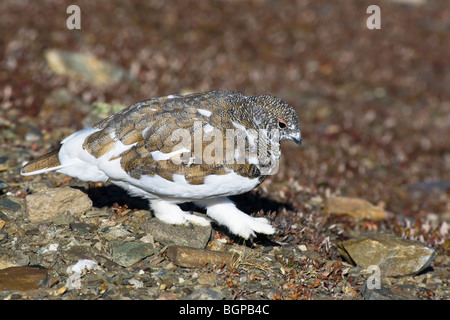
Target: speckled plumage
136 149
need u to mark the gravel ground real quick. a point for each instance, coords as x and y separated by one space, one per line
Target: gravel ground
374 108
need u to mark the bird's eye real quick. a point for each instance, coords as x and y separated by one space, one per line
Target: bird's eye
282 124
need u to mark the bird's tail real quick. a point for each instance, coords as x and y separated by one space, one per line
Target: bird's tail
47 162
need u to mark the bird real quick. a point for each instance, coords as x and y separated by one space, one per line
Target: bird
198 147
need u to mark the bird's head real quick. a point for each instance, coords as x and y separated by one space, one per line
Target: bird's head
276 115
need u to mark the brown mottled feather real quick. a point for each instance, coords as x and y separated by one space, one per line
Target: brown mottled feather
98 143
48 160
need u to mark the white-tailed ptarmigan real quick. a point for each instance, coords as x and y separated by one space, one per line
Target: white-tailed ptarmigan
197 148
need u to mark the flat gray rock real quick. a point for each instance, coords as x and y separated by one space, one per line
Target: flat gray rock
128 253
394 256
193 236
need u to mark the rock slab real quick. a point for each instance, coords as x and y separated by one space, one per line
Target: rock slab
45 205
197 258
394 256
128 253
85 67
22 278
384 293
194 236
10 258
355 208
9 205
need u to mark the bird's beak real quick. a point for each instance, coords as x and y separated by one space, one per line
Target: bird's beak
297 138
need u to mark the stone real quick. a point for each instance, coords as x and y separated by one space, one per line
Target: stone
116 233
47 204
82 227
167 278
394 256
217 245
354 207
62 219
136 283
78 252
197 258
384 293
37 186
22 278
193 236
205 294
209 279
430 187
4 163
96 213
10 258
128 253
3 185
85 67
4 218
167 295
7 204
